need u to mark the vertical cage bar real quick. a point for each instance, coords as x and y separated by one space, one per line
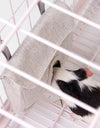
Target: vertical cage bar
27 3
95 55
12 15
17 25
55 121
14 20
1 102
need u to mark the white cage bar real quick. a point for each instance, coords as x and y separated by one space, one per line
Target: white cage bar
14 19
50 44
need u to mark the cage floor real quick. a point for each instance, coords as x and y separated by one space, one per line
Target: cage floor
86 42
49 114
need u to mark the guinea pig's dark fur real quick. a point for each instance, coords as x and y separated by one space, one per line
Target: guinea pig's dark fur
77 84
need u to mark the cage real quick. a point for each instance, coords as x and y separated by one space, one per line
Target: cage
34 34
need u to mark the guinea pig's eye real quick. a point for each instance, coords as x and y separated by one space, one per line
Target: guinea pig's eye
68 70
81 74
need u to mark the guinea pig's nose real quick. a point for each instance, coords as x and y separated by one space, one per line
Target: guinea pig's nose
88 72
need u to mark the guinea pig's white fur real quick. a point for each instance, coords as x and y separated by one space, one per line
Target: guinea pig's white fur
62 74
67 76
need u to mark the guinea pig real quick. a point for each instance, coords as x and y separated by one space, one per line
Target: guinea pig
78 84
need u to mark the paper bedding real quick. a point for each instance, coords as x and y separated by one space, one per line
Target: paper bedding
37 59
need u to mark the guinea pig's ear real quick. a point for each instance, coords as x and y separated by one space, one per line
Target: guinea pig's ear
57 64
81 74
62 84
